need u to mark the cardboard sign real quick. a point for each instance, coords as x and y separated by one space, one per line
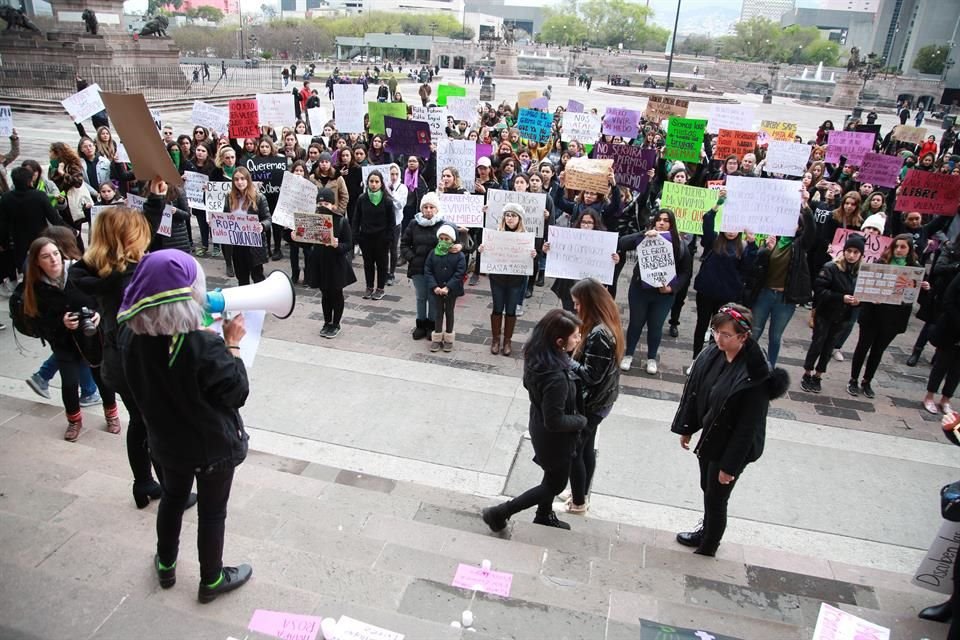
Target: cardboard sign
574 107
836 624
526 98
660 108
84 104
210 117
462 209
584 174
880 170
874 247
131 118
762 206
269 172
535 125
407 137
348 107
581 253
630 163
906 133
379 110
936 569
479 579
297 195
6 120
313 228
621 122
888 283
787 158
688 205
166 222
216 196
195 187
279 624
533 205
730 116
684 139
445 91
655 260
350 629
506 253
460 154
852 144
275 110
582 127
774 130
929 192
735 143
650 630
238 229
244 121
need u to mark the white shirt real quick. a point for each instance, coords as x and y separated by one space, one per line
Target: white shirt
399 192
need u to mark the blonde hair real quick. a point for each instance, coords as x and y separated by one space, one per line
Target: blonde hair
503 227
120 236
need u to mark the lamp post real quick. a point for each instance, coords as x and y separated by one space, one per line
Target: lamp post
673 45
433 29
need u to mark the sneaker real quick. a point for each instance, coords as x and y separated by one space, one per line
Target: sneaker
838 355
815 380
334 331
474 279
626 363
551 520
652 367
853 389
216 253
377 295
806 384
576 509
200 252
167 577
277 255
90 400
519 310
230 578
2 326
325 331
40 386
867 390
368 294
391 280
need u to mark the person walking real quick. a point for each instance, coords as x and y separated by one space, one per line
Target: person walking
945 336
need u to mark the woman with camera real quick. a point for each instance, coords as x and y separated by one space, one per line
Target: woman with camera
66 318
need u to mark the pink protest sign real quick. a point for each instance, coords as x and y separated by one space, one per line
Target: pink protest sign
874 247
621 122
836 624
851 144
880 170
479 579
288 626
929 192
484 150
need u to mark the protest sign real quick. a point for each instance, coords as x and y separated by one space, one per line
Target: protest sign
655 260
304 140
378 110
135 201
730 116
486 580
574 107
581 253
534 125
210 117
774 130
887 283
540 103
348 107
94 212
244 121
367 169
630 163
121 154
166 222
297 195
906 133
279 624
316 118
837 624
582 127
533 205
437 119
6 120
462 209
507 252
621 122
874 247
735 143
929 192
157 118
650 630
936 569
850 144
314 228
407 137
239 229
787 158
275 110
660 108
484 150
445 91
269 172
195 186
215 196
134 125
350 629
460 154
684 139
880 170
584 174
463 109
84 104
688 205
525 98
761 206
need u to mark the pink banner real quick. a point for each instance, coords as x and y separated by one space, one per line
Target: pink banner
285 625
874 247
851 144
880 170
929 192
479 579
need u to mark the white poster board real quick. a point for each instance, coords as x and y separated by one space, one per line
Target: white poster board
384 170
210 117
936 569
297 195
6 120
656 261
349 107
216 196
837 624
276 110
460 154
249 343
730 116
582 127
462 209
195 187
166 222
84 104
581 253
463 109
121 155
350 629
316 117
788 158
762 206
239 229
507 253
533 205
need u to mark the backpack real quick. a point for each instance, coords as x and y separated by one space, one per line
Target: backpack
21 321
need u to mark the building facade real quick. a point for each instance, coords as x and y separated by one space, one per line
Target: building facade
770 9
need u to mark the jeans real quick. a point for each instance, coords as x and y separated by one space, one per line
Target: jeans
50 367
585 461
70 370
505 298
770 306
715 498
425 299
650 308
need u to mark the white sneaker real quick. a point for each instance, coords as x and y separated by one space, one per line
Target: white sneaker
626 363
519 310
838 355
652 367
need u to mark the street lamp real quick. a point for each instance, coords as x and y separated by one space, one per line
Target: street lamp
673 45
433 29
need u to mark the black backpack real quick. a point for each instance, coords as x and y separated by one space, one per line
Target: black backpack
21 321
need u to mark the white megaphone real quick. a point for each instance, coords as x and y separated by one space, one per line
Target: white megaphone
274 294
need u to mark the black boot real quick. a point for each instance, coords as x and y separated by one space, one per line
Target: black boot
914 357
231 578
420 332
938 613
495 518
144 493
551 520
691 538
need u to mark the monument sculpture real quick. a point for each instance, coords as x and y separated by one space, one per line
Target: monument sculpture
90 20
17 20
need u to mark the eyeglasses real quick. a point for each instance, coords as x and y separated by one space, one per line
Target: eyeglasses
723 334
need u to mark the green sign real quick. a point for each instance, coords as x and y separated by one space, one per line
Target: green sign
685 139
378 110
445 91
688 205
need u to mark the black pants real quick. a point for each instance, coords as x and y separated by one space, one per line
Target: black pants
585 461
443 307
946 364
707 307
244 268
295 249
678 303
376 257
542 495
617 269
477 235
277 233
137 453
715 498
394 249
201 217
213 491
923 337
872 339
332 302
825 334
70 366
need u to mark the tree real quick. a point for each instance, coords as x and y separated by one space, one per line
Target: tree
212 14
268 10
823 51
564 29
931 58
697 44
793 41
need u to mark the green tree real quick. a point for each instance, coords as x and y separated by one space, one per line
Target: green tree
697 44
793 41
212 14
823 51
757 39
563 28
615 22
931 58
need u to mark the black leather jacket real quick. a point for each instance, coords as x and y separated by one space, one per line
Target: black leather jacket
598 370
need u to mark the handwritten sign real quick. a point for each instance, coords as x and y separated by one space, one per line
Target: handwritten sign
378 110
462 108
581 253
275 109
888 283
314 228
735 143
316 119
462 209
684 139
367 169
656 261
240 229
936 569
166 222
574 107
874 247
135 201
289 626
216 195
350 629
506 253
477 578
121 155
762 206
582 127
929 192
851 144
621 122
880 170
836 624
630 163
6 120
269 172
688 205
210 117
533 205
730 116
540 103
787 158
244 121
444 91
906 133
348 107
195 186
585 174
535 125
775 130
297 195
460 154
660 108
84 104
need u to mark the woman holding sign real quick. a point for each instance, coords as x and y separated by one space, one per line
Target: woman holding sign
245 199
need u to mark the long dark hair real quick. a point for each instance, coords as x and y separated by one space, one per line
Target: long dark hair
541 350
674 234
887 254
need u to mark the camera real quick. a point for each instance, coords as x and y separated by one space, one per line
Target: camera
85 317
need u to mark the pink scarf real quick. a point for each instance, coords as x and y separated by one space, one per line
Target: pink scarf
411 178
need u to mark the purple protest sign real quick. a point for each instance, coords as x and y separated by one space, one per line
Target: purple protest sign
574 107
484 150
407 137
540 103
630 164
851 144
880 170
621 122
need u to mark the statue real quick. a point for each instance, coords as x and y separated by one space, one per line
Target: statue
156 26
854 62
17 20
90 20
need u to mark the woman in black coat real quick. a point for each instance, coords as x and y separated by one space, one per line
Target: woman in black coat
946 265
556 416
372 224
161 195
329 268
945 336
726 396
245 198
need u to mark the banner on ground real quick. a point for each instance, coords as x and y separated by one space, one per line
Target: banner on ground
460 154
407 137
688 205
134 125
731 142
906 133
195 187
210 117
315 228
239 229
730 116
660 108
770 207
936 569
880 170
684 139
874 247
630 163
348 107
655 260
582 127
650 630
84 104
244 121
851 144
621 122
533 205
445 91
215 197
275 109
776 130
581 253
837 624
269 172
462 209
297 195
888 283
507 253
788 158
585 174
379 110
929 192
465 109
535 125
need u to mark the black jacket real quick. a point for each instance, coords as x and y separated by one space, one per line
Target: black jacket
829 288
329 268
373 219
599 370
24 214
946 331
445 271
798 286
556 414
52 304
945 268
192 405
418 242
414 196
735 422
178 238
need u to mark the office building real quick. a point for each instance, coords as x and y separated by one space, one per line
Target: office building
770 9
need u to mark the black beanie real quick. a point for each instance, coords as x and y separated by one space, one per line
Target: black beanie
855 241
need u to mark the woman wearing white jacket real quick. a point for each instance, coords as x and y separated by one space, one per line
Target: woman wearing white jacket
399 191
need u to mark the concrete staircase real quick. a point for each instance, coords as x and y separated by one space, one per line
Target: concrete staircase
76 559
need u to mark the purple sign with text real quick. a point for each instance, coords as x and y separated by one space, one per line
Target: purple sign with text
621 122
880 170
630 164
574 107
851 144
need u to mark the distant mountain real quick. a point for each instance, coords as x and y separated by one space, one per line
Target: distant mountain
697 16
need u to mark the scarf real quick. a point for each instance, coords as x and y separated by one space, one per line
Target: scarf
375 197
442 248
784 241
900 262
411 178
228 171
424 222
